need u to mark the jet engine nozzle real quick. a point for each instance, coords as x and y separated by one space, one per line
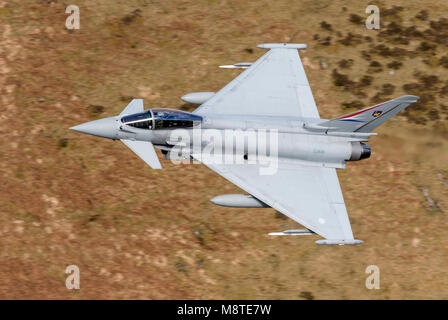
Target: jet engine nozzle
360 151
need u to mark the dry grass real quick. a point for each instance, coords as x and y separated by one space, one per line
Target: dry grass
137 233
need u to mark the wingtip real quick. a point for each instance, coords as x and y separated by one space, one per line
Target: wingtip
408 98
339 242
298 46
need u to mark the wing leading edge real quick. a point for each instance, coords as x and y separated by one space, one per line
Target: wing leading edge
310 195
276 84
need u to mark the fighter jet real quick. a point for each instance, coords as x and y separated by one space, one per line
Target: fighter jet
272 99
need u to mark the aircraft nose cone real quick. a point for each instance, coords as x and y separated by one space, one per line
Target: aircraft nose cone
106 128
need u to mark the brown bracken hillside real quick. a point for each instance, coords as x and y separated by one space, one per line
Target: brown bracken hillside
67 198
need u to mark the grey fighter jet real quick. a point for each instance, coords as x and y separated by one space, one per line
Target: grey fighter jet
272 98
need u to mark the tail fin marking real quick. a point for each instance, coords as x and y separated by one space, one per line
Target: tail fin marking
369 118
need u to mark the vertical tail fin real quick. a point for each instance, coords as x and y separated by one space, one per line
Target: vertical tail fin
367 119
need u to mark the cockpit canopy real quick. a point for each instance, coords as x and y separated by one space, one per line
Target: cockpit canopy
156 119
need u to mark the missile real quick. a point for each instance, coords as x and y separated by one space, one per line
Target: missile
299 232
238 201
339 242
239 65
197 97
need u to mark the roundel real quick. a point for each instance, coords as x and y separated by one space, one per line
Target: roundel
377 113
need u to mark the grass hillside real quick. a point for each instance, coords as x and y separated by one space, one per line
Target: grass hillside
67 198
